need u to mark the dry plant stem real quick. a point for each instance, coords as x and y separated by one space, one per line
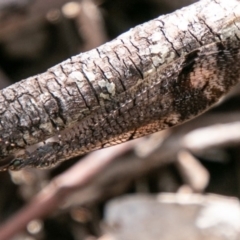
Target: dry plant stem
88 19
90 25
218 135
96 173
60 187
153 77
192 171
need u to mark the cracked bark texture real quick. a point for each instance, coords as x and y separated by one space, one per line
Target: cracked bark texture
156 75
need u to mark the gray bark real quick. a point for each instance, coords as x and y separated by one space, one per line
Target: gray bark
156 75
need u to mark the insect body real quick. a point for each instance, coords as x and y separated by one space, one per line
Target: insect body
169 96
155 76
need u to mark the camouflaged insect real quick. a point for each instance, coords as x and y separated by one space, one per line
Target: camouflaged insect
155 76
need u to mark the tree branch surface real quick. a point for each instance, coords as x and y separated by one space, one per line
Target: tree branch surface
155 76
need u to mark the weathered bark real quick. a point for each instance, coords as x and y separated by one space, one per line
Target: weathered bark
154 76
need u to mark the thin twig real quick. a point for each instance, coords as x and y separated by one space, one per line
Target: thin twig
60 187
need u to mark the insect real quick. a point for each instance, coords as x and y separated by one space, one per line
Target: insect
42 157
169 96
138 84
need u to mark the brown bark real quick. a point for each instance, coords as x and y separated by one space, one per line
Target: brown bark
154 76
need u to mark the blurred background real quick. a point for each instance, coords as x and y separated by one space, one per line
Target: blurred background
199 157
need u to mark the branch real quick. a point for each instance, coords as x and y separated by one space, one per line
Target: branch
156 75
59 189
111 170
